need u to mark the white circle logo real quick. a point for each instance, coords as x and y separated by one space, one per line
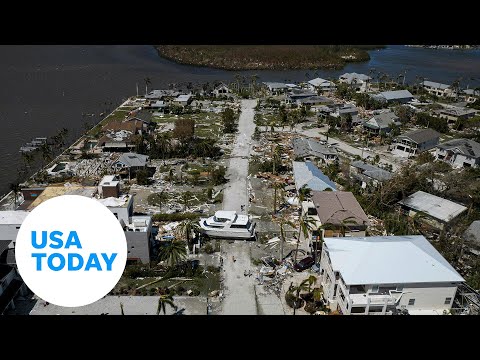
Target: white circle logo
71 250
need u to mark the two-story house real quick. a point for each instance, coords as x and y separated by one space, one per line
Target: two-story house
459 153
382 275
415 142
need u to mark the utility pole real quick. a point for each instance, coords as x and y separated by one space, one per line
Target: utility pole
137 89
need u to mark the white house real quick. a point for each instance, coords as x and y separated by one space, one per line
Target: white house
131 162
382 275
121 207
183 100
471 95
321 85
359 82
438 89
276 88
10 222
459 153
221 90
436 211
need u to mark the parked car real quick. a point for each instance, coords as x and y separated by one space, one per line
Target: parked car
304 264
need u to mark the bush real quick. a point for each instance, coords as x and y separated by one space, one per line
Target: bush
290 300
175 217
208 248
213 269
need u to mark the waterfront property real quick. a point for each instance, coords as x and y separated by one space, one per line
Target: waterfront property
307 174
438 89
396 96
275 88
309 149
471 95
319 84
432 210
459 153
381 275
295 95
369 174
381 123
415 142
358 82
221 90
183 100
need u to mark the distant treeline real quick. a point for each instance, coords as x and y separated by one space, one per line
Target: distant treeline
261 57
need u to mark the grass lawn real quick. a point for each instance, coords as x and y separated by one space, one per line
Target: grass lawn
207 124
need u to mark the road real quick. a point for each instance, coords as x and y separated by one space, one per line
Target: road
239 290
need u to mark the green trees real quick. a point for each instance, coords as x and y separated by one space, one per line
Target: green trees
142 177
15 188
173 252
306 224
217 175
438 124
186 228
229 121
304 193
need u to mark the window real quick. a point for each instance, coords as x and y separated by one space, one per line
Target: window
374 289
411 302
116 215
465 164
448 300
358 310
17 227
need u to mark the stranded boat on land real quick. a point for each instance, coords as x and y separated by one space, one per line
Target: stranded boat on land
228 225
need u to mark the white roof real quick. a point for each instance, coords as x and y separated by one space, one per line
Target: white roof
320 82
109 180
183 97
12 217
389 260
437 207
115 202
222 214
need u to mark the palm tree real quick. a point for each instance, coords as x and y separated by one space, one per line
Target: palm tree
296 290
311 280
163 301
276 187
147 82
283 222
305 225
173 253
185 229
186 197
304 193
161 197
47 153
15 187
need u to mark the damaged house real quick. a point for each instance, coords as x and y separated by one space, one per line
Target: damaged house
459 153
369 174
310 149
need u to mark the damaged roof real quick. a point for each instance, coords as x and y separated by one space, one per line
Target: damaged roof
309 147
437 207
465 147
372 171
420 136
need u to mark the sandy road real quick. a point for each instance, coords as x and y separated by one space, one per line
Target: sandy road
239 290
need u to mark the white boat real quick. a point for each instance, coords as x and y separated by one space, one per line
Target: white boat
228 225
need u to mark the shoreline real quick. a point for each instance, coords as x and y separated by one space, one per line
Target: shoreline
75 142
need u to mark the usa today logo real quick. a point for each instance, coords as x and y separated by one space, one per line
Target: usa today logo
71 250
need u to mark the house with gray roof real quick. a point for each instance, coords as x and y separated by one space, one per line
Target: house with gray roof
359 82
275 88
381 123
131 162
415 142
438 89
310 149
396 96
368 173
319 84
454 113
459 153
434 210
307 174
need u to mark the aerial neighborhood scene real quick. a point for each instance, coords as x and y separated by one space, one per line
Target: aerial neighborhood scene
254 180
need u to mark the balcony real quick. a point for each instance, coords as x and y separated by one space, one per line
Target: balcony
375 299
